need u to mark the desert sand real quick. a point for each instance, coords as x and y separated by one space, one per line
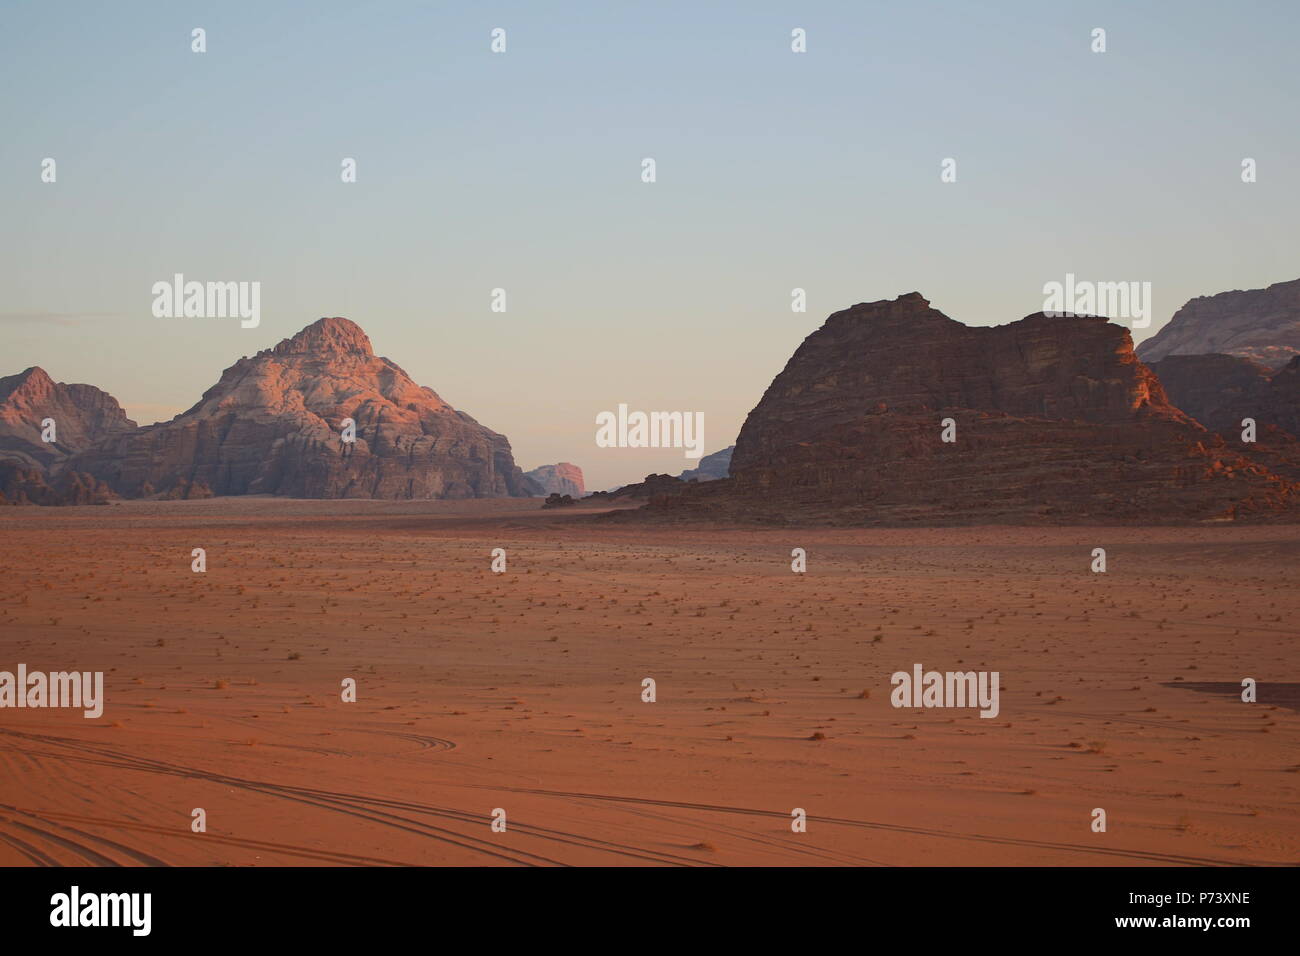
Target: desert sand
521 690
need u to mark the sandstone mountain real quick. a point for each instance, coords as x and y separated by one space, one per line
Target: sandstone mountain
561 479
1259 324
1055 420
711 467
1220 390
82 414
273 425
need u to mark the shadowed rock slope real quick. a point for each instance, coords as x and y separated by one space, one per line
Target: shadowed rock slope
1223 391
1055 420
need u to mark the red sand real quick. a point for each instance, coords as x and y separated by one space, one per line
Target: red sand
522 690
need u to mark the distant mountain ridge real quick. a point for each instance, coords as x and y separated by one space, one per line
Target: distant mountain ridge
273 424
1262 325
1054 419
560 479
711 467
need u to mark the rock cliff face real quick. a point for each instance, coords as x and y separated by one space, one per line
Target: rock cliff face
1220 390
902 357
273 425
711 467
1259 324
1055 420
1282 405
561 479
82 416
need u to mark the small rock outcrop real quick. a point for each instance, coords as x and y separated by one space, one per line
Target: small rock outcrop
564 479
643 490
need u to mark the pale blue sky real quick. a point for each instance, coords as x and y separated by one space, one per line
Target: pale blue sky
522 170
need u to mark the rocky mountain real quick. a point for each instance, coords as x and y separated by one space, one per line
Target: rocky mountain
274 424
1053 419
1220 390
561 479
711 467
1259 324
82 414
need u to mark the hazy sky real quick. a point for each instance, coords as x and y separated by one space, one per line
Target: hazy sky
522 170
